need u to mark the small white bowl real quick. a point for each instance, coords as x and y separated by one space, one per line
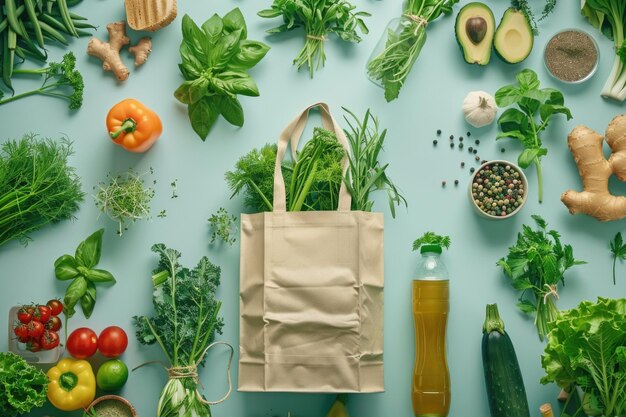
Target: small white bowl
524 183
585 78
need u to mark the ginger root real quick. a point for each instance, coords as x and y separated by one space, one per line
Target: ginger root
586 146
109 53
141 50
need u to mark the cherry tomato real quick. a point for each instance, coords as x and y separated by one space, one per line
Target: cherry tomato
33 345
54 324
82 343
35 329
112 341
21 331
56 307
25 314
49 340
44 314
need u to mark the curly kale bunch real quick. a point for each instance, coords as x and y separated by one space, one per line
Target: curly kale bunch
22 386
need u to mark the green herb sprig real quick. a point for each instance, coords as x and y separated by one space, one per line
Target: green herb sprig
223 227
37 186
524 7
391 67
618 249
79 269
215 61
535 265
520 123
431 238
125 198
318 18
366 174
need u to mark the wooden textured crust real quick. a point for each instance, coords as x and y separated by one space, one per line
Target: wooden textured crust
150 15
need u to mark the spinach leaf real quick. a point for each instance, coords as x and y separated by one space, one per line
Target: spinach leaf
215 58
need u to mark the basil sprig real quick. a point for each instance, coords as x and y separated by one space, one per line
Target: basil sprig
215 60
80 270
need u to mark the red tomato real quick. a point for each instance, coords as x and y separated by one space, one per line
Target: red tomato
56 307
54 324
35 329
21 331
43 314
33 345
82 343
49 340
25 314
112 342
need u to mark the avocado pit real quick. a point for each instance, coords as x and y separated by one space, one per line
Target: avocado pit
476 29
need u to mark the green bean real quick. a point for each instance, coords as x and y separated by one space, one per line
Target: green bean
52 22
32 15
83 33
11 11
49 4
20 52
65 15
52 33
84 25
28 45
72 3
4 23
77 17
11 39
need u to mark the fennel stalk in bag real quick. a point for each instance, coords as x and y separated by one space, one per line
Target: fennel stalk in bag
396 53
184 325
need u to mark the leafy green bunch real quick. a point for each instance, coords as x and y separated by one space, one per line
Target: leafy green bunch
431 238
37 186
525 7
318 18
609 17
312 183
587 349
391 67
215 61
223 226
520 123
60 79
184 324
80 270
22 386
535 265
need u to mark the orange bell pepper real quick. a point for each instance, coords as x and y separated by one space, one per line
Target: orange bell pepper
133 126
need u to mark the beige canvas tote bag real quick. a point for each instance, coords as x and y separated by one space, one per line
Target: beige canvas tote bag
311 291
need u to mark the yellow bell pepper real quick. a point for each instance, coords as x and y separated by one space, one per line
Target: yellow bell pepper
72 384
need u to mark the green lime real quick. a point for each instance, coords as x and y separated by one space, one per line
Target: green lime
112 375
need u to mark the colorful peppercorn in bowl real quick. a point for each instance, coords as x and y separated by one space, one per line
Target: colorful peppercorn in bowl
498 190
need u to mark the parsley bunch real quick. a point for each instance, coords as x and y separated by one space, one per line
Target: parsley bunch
535 265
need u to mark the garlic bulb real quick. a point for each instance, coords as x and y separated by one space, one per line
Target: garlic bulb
479 108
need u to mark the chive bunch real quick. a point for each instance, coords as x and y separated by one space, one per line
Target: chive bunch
498 189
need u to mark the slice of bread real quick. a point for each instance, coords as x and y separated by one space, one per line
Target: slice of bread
150 15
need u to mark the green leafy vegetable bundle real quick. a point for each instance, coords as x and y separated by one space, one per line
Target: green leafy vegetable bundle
215 61
609 17
22 386
391 66
587 349
184 324
37 186
535 265
318 18
520 123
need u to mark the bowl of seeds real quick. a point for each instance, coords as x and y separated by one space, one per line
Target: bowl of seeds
110 406
498 190
571 56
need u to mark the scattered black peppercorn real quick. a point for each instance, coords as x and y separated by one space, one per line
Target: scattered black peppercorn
475 151
477 142
470 149
435 142
472 170
462 164
438 132
460 146
443 183
451 137
461 139
452 145
469 134
477 158
502 150
484 161
456 182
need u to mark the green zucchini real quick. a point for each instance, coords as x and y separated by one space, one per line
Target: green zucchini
503 377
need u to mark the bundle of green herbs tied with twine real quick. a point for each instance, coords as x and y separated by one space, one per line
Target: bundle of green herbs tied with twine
391 67
184 326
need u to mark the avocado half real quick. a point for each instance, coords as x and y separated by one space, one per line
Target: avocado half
514 37
475 28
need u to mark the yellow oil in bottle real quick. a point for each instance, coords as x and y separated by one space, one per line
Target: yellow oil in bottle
431 379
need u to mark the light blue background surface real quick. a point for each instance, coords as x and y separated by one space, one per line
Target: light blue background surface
430 100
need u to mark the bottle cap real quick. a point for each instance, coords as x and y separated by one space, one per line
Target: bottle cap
430 248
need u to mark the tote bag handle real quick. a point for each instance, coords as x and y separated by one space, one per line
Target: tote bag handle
292 133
